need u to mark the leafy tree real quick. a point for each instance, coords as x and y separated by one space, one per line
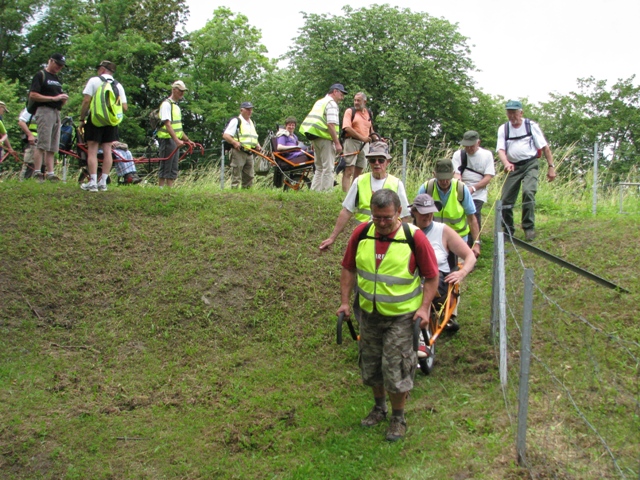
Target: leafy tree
595 113
15 16
415 68
224 63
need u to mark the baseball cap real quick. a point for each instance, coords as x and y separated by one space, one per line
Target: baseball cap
337 86
469 138
179 84
424 204
108 65
514 105
444 169
246 105
379 149
58 58
2 104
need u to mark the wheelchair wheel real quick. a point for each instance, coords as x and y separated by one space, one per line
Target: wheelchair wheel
426 363
278 178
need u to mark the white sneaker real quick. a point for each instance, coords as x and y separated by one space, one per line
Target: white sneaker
89 187
102 187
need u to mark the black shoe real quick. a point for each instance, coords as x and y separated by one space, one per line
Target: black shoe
452 326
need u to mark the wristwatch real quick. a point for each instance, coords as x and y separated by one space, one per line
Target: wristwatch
551 165
478 242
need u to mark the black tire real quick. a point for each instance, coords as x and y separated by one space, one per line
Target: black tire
278 178
339 329
426 364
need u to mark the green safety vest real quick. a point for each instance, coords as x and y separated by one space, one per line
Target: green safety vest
391 288
363 199
176 121
249 138
315 123
452 213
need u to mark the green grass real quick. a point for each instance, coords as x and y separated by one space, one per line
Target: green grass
190 333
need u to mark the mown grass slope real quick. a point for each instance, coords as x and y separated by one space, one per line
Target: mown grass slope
149 333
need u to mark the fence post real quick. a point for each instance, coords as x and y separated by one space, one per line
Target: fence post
495 299
525 361
502 310
222 166
595 178
404 162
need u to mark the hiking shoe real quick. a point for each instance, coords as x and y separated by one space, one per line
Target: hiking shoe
53 178
39 176
89 187
376 415
102 187
397 429
452 326
529 235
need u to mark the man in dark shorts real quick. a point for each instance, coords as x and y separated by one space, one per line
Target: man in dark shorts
99 137
46 92
171 135
387 258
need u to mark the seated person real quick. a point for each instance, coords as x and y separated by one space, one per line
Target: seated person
126 170
443 239
288 145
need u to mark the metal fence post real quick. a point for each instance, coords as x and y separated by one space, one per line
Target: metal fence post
404 161
595 178
495 305
525 361
222 166
502 310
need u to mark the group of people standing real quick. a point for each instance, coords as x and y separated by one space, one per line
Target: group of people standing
40 123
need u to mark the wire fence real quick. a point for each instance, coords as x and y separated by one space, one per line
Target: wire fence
583 417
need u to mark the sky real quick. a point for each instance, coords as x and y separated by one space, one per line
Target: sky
521 49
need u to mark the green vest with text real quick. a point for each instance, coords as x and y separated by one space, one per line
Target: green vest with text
453 212
363 199
176 121
390 288
315 123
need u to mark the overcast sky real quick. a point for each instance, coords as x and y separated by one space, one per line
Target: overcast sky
521 49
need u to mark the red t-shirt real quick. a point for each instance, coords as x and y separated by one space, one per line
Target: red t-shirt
424 258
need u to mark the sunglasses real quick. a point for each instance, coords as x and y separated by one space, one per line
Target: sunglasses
377 160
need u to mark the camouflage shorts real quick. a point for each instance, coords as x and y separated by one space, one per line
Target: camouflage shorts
386 351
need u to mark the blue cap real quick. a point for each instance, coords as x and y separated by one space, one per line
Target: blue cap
514 105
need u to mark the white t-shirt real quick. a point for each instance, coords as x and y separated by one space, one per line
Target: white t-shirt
435 239
482 162
165 110
94 83
524 148
232 127
376 184
25 116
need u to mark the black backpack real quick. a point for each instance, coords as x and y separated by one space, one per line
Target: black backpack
32 105
527 127
343 133
463 163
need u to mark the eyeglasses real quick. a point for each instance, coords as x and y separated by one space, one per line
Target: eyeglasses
377 160
383 219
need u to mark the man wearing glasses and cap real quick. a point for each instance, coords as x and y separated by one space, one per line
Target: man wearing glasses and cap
358 199
46 92
474 166
99 136
322 127
171 135
384 262
241 134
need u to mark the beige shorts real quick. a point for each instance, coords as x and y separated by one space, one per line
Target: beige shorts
48 121
359 160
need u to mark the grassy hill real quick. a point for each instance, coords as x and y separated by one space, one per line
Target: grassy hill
149 333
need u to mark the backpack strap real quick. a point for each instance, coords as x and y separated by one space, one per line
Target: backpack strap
430 186
460 188
409 240
463 161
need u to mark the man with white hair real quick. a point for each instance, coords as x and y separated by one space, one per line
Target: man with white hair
520 142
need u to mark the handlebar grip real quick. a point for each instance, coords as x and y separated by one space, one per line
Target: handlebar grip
339 329
416 334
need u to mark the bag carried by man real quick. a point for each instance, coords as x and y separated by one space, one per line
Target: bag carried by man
106 106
